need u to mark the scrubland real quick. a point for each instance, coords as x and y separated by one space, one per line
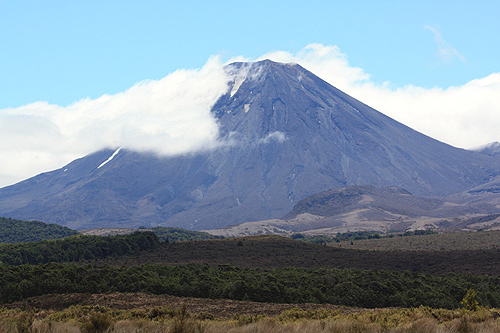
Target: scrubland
98 318
251 284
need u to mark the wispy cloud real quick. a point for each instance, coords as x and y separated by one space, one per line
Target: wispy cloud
447 53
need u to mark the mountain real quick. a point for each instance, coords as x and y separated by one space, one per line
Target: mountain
285 133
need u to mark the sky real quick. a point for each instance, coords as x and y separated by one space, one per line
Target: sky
79 76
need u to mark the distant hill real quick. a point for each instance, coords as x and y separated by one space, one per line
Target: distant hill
17 231
385 210
391 200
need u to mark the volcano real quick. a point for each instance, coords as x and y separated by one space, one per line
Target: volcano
285 134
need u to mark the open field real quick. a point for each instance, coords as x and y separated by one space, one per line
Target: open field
455 241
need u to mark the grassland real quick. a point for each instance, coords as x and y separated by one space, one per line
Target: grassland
456 241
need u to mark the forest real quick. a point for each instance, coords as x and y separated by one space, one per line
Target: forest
349 287
76 248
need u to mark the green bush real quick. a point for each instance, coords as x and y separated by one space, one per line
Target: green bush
470 302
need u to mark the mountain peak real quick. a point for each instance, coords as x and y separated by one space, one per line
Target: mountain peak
266 97
257 72
265 65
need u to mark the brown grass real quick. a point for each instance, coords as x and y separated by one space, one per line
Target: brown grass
208 308
99 318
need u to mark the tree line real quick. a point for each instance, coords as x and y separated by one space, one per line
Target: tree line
18 231
356 235
178 234
76 248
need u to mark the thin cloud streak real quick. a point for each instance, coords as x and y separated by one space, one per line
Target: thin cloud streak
446 52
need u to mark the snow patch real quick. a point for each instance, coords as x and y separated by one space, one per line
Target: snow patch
109 159
241 73
237 83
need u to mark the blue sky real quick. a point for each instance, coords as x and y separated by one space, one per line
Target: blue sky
62 51
72 75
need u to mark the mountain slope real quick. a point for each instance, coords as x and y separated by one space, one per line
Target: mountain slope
285 134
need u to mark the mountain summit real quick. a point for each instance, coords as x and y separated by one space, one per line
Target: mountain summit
285 134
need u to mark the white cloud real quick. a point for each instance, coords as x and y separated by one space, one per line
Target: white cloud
172 115
274 136
446 52
464 116
168 116
324 61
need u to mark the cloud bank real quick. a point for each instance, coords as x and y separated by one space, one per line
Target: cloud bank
172 115
169 116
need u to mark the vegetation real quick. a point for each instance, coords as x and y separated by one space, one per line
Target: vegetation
276 251
456 241
97 318
17 231
256 252
348 236
76 248
178 234
470 302
355 236
350 287
267 269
